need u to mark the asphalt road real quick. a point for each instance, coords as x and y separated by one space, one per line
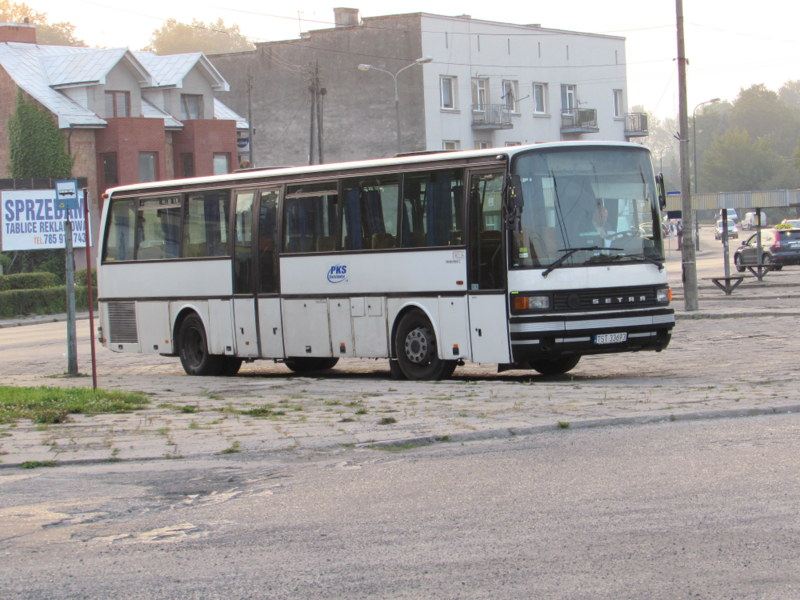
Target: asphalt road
703 509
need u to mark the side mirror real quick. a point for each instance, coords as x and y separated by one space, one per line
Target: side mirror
662 193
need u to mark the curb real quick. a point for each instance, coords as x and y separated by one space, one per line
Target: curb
475 436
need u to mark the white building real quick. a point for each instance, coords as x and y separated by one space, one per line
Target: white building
417 82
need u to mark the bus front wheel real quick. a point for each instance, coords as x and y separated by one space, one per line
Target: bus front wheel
555 366
416 350
195 357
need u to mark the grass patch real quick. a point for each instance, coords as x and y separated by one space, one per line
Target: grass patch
54 405
35 464
234 448
387 421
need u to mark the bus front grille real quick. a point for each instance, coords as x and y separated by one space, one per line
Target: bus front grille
122 322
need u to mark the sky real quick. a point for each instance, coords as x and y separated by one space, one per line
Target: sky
728 48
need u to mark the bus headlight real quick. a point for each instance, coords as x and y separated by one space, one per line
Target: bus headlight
663 295
524 303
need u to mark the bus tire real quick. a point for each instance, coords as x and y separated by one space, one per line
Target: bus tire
194 354
555 366
416 350
308 364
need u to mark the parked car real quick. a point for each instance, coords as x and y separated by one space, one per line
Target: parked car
779 247
731 215
733 230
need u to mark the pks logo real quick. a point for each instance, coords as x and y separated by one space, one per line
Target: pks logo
337 273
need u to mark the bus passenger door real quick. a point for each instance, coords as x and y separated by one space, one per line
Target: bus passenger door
486 266
244 280
269 307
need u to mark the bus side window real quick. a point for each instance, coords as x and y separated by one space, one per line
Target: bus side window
370 218
158 228
206 225
310 218
433 209
121 231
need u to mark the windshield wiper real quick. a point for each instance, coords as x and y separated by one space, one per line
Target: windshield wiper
569 252
637 257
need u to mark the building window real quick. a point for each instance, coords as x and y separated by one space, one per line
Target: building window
482 145
222 163
510 95
191 106
148 162
540 98
447 86
187 164
619 107
451 145
110 173
480 93
569 98
118 104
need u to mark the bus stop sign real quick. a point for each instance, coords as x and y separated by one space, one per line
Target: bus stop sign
67 194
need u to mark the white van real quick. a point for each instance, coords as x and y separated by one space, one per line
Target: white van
750 220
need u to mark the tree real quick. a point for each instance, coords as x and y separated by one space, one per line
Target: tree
211 38
735 162
790 93
54 34
37 149
764 116
36 146
663 144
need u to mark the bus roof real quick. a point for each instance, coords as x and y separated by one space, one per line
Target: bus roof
502 153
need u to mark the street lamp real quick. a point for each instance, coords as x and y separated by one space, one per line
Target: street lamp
419 61
694 135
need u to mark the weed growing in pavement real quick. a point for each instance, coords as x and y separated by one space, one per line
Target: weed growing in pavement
35 464
563 424
387 421
47 405
232 449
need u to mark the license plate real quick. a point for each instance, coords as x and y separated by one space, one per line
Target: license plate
610 338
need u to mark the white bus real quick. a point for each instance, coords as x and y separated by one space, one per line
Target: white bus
528 257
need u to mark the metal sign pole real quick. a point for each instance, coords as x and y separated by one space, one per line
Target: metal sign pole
67 200
72 342
90 292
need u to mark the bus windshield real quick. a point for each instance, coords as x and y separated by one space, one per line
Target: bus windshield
587 206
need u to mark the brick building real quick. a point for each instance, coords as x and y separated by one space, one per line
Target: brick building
126 116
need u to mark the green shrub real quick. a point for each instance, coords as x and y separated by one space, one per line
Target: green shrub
47 301
27 281
80 277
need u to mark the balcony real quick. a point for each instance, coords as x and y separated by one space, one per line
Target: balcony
636 125
491 116
581 120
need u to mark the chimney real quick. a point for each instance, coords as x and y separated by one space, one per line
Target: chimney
23 33
346 17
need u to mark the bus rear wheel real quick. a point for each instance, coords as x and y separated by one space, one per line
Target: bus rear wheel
193 349
308 364
416 350
555 366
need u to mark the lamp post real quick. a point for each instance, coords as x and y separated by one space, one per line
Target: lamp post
694 136
393 75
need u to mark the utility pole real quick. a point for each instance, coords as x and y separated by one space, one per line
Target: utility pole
315 119
688 258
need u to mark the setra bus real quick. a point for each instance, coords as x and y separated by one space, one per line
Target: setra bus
526 256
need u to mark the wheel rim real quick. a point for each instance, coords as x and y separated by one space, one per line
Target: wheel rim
418 346
195 346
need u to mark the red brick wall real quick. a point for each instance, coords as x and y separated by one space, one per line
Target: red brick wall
203 139
128 137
